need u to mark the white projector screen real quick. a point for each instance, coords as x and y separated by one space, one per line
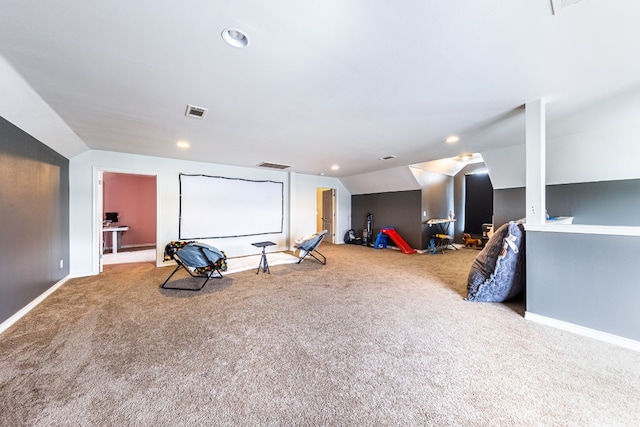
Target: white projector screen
215 206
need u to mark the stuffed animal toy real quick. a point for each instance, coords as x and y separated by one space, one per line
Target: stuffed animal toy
469 241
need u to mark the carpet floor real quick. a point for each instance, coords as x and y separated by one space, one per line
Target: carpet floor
375 337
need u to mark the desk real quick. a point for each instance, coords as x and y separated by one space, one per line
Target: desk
114 240
263 260
442 237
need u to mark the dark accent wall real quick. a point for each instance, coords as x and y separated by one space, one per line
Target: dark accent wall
600 203
400 210
438 199
587 280
603 203
34 213
508 204
583 279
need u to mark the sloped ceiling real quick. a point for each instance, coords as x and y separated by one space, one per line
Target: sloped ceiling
387 180
321 83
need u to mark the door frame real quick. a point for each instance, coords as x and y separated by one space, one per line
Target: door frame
98 175
319 206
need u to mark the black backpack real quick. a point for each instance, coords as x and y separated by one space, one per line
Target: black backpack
350 237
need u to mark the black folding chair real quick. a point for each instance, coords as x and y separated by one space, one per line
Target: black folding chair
309 246
198 259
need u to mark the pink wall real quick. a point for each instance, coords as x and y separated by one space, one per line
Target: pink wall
134 198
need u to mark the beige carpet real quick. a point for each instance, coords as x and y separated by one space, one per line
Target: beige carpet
236 265
375 337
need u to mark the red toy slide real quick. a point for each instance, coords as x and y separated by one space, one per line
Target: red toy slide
404 246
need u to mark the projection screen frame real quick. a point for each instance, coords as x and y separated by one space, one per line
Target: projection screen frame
278 229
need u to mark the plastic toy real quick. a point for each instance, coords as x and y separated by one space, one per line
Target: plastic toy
470 241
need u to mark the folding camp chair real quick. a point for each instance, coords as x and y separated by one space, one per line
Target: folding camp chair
308 245
198 259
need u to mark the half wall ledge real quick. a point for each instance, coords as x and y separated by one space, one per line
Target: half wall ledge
611 230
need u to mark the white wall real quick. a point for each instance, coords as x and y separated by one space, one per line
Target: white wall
23 107
506 166
599 143
437 193
596 143
394 179
304 206
84 220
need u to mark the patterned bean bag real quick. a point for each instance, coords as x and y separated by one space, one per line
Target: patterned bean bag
498 272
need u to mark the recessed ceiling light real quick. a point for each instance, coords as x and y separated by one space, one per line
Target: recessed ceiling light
236 38
182 144
335 167
483 171
451 139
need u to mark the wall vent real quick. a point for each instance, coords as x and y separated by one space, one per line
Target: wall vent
272 165
196 112
558 5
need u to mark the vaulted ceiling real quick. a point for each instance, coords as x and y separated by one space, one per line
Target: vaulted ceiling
324 83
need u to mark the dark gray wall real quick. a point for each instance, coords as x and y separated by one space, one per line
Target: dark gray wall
508 204
603 203
584 279
442 194
460 193
400 210
437 200
587 280
600 203
34 213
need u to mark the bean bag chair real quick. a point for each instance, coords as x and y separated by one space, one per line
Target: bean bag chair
498 272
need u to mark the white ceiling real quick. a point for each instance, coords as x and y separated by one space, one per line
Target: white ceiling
321 83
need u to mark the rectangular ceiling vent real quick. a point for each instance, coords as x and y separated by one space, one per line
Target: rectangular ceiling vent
196 112
558 5
272 165
389 157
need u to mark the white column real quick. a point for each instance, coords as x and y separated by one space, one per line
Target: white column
292 210
535 162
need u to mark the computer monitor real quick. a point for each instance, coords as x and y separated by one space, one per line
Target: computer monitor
111 216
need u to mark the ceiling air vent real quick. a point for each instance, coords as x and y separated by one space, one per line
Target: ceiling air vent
272 165
196 112
389 157
558 5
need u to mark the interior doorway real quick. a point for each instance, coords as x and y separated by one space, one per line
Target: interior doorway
127 205
326 212
478 207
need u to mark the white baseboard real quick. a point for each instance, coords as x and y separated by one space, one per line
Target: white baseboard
128 247
27 308
146 245
581 330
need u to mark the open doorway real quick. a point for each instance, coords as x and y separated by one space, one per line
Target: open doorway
128 207
478 206
326 212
